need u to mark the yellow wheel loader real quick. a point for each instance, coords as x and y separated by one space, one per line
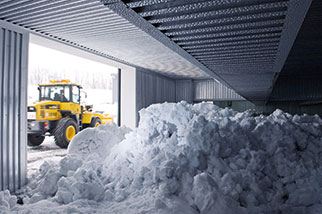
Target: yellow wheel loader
59 113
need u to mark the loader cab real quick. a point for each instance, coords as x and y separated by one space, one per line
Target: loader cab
60 92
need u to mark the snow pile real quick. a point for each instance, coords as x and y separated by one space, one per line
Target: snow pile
97 141
188 159
7 201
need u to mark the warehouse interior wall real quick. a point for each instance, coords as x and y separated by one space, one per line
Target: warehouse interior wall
184 90
14 43
198 90
237 105
153 88
292 107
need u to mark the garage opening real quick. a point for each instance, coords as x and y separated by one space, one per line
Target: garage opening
66 94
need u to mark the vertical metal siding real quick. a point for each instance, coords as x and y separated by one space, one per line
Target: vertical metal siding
153 88
212 90
184 90
13 97
308 88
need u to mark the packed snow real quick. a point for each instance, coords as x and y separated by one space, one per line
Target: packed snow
185 159
47 151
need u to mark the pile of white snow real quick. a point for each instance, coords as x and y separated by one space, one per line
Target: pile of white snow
185 159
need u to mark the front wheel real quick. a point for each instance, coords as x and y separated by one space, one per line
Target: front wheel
35 140
96 121
64 132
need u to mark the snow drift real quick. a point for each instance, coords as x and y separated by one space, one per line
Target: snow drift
185 159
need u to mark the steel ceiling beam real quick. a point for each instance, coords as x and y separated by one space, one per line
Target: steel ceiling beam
226 28
181 7
231 39
214 14
122 9
232 52
229 34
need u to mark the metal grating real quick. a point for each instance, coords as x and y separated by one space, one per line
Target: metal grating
239 40
90 25
212 27
242 43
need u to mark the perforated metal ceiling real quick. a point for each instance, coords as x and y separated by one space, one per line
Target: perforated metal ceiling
239 40
301 76
242 43
90 25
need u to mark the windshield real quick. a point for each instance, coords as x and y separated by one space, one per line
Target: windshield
55 92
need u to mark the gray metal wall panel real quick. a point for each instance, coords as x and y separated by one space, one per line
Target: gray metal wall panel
13 97
184 90
308 88
213 90
153 88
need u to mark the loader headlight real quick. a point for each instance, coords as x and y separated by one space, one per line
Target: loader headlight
51 107
31 109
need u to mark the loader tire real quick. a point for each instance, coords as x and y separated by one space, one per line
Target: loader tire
64 132
35 140
96 121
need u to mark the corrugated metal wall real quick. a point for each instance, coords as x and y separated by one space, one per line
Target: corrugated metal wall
204 90
153 88
213 90
13 97
184 90
308 88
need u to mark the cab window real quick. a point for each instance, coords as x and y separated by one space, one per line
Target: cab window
55 92
75 94
66 94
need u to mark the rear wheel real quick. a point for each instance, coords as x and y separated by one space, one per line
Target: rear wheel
96 121
35 140
64 132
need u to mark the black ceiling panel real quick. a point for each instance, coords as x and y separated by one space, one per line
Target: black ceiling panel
301 76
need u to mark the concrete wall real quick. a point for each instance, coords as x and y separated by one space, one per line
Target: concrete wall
14 44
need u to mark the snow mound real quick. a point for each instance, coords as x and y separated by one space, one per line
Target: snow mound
97 141
188 159
7 201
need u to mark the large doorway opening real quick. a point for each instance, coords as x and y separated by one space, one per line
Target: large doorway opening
98 84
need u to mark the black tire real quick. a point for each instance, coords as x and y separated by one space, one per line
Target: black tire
94 121
61 139
35 140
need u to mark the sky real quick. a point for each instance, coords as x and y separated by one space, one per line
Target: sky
60 62
47 64
96 78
